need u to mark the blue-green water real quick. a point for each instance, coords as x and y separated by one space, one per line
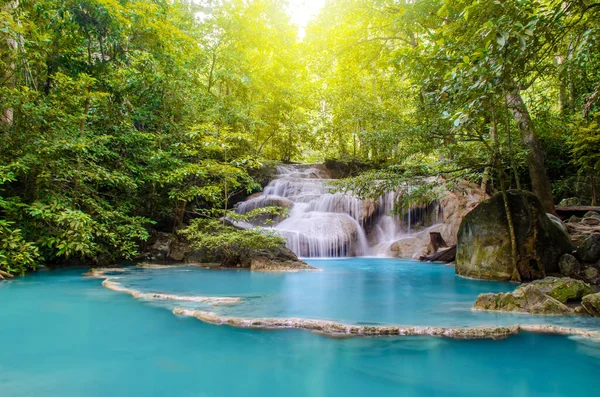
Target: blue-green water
356 291
65 335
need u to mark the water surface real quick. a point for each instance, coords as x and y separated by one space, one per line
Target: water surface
64 335
352 291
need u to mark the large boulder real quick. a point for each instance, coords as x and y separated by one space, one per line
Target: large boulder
558 222
279 258
569 265
525 299
281 262
563 289
484 248
414 246
591 274
589 250
591 304
157 248
165 247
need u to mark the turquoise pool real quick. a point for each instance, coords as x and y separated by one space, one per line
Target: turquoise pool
65 335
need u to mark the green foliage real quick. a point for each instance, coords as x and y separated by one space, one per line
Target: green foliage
234 246
414 185
118 116
115 125
411 83
585 142
16 254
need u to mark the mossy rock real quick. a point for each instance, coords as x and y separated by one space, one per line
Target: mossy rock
590 273
569 265
525 299
591 303
563 289
484 250
589 251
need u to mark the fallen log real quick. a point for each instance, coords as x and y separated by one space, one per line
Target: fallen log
447 255
4 274
565 212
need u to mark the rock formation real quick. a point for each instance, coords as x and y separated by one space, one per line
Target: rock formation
591 303
526 299
589 250
484 247
569 266
585 235
563 289
548 296
453 207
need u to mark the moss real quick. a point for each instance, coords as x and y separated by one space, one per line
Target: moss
591 304
563 289
484 250
525 299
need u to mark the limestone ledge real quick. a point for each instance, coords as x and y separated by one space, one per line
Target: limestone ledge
331 328
110 283
144 265
101 272
115 286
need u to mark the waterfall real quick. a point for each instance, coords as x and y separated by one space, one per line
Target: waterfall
325 224
391 227
320 224
388 228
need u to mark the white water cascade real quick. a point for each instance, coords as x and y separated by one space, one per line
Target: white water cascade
388 227
325 224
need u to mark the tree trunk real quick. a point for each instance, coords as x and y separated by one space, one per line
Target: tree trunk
563 97
509 218
537 170
446 255
436 241
485 179
6 117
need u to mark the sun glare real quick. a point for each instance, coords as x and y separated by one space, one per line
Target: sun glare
302 11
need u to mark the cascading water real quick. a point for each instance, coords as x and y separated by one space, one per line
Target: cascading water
320 224
388 227
325 224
